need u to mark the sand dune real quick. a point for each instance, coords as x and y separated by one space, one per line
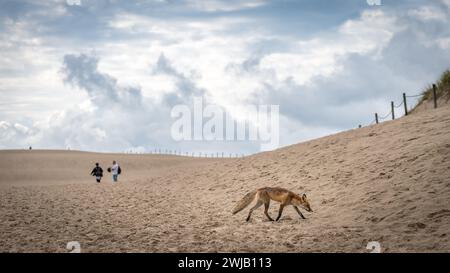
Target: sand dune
71 167
388 183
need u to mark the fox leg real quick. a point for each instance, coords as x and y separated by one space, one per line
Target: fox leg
299 212
280 211
266 209
258 204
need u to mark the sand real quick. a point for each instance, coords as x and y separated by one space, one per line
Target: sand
388 183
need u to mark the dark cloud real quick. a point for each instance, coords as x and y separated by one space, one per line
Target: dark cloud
82 71
366 83
185 90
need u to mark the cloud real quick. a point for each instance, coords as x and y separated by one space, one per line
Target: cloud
340 81
367 35
223 6
185 89
329 66
13 134
113 117
120 117
82 71
446 2
427 13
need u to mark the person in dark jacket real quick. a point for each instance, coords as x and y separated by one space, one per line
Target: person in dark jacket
97 172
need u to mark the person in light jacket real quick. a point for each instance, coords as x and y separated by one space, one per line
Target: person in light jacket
115 171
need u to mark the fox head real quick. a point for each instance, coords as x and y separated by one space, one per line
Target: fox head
303 202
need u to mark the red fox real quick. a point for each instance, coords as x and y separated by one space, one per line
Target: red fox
264 195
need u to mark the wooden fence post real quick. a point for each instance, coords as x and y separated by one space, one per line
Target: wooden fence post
393 110
376 117
435 95
404 103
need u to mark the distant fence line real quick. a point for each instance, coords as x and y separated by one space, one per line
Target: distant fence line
189 154
404 103
179 153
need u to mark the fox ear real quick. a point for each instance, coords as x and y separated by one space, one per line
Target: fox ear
304 196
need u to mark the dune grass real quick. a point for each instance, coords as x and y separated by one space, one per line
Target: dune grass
443 89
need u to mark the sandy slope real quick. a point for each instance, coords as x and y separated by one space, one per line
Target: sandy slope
64 167
389 183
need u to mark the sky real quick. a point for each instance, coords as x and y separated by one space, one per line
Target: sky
105 75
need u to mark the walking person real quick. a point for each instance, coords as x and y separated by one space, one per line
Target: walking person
115 171
97 172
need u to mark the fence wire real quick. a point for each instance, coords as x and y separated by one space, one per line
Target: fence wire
382 118
415 96
401 104
386 116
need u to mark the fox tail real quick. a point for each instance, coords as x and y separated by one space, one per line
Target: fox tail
244 202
